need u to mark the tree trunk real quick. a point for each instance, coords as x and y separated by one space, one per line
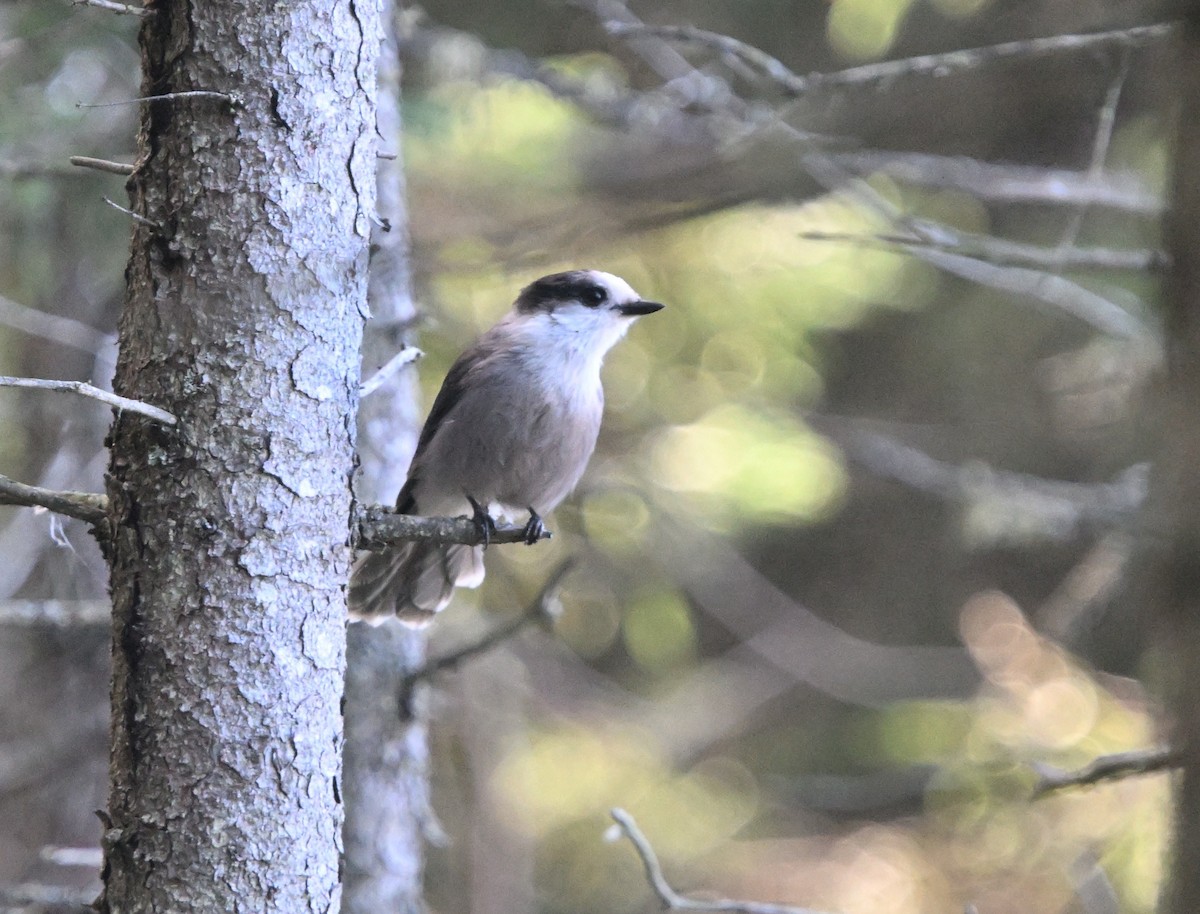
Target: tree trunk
229 553
387 753
1174 510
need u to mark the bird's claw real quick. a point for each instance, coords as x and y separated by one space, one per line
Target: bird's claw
534 528
484 525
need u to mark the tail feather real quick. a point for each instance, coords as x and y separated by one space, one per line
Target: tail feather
411 582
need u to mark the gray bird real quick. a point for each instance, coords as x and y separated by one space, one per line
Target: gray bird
510 432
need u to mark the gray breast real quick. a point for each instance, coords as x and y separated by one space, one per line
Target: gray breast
512 440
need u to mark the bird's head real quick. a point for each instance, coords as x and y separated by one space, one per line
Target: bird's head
589 304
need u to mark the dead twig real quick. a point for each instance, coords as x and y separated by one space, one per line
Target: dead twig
672 900
166 97
405 356
115 168
136 217
113 7
84 506
87 390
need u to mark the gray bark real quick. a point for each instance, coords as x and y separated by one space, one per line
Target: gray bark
229 549
387 751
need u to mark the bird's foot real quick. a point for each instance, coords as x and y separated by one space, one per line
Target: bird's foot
484 524
534 528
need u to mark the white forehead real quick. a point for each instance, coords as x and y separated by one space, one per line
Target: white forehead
618 289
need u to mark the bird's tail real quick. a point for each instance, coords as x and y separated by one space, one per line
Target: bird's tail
411 582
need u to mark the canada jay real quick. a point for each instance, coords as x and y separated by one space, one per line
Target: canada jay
510 432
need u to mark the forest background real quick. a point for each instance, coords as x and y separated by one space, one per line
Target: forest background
857 550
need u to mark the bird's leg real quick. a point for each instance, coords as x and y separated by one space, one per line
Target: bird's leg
534 528
483 521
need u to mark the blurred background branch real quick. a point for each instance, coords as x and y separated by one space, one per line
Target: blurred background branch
859 544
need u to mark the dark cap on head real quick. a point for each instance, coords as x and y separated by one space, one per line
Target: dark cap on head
559 288
590 288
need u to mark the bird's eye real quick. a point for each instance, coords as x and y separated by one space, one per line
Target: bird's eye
594 297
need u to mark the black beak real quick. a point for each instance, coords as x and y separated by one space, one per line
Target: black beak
638 308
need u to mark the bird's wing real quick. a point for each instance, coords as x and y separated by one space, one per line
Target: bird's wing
450 396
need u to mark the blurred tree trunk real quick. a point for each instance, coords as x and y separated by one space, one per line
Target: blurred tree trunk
1175 505
387 752
246 286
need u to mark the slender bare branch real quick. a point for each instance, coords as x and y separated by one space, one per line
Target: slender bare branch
114 7
116 168
1107 768
543 608
58 329
828 171
378 527
937 65
165 97
671 899
87 390
1003 252
82 505
1005 182
738 51
1039 285
1100 145
930 241
1070 505
405 356
136 217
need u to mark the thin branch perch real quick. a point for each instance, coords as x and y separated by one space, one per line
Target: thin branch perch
87 390
672 900
1108 768
82 505
375 526
378 527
